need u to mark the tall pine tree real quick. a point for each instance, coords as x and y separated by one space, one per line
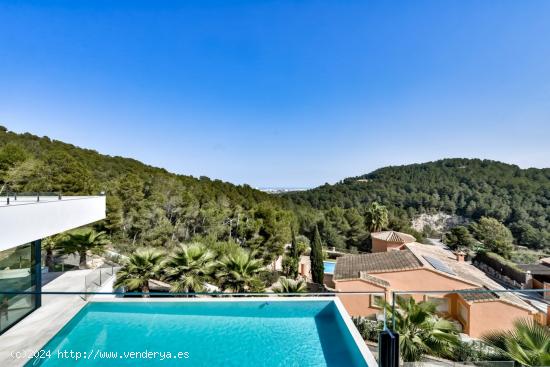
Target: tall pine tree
316 256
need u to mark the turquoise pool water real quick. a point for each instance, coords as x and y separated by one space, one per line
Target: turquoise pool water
250 333
329 267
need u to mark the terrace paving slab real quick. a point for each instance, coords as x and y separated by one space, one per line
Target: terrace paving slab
34 331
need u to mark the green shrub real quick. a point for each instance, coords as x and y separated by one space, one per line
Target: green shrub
369 329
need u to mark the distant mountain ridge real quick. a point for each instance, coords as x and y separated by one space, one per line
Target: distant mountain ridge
93 166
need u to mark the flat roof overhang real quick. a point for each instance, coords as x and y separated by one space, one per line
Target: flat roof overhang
535 269
26 219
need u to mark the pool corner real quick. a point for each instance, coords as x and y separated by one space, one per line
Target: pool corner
358 339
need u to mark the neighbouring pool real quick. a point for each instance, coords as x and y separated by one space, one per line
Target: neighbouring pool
213 333
329 267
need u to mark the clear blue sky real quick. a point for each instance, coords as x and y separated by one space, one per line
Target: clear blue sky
281 93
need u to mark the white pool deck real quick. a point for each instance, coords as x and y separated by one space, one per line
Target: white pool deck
33 332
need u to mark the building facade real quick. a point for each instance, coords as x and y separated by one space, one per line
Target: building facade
417 267
24 222
389 241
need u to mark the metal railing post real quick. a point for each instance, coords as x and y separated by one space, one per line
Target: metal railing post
393 311
84 296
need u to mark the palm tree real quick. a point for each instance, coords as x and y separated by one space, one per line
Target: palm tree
81 241
528 343
51 244
239 272
290 286
376 217
143 265
421 331
189 268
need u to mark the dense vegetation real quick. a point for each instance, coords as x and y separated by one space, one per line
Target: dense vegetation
528 343
196 232
485 235
148 206
472 188
151 207
194 268
422 332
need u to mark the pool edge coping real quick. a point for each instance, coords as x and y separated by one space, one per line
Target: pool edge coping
361 344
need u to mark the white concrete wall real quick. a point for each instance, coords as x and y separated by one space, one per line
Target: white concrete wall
23 223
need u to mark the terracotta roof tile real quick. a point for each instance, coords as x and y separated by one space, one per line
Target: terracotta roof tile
479 294
349 267
393 236
466 272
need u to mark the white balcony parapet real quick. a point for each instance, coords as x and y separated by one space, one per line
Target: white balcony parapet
29 218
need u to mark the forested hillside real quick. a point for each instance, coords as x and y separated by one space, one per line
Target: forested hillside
147 205
472 188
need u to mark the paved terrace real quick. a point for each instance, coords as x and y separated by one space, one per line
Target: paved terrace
34 331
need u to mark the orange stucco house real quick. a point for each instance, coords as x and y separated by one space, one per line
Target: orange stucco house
390 240
418 267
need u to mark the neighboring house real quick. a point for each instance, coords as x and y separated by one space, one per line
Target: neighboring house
304 267
390 240
538 275
418 267
24 222
277 264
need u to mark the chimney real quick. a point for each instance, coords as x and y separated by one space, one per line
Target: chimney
460 256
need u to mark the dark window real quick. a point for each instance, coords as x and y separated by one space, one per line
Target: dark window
18 273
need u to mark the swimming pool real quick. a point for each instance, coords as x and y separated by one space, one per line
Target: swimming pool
329 267
209 333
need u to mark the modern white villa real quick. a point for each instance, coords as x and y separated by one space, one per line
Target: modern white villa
25 221
201 331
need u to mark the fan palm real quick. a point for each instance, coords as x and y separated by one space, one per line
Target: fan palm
376 217
49 245
81 241
290 286
421 331
239 271
143 265
189 268
528 343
